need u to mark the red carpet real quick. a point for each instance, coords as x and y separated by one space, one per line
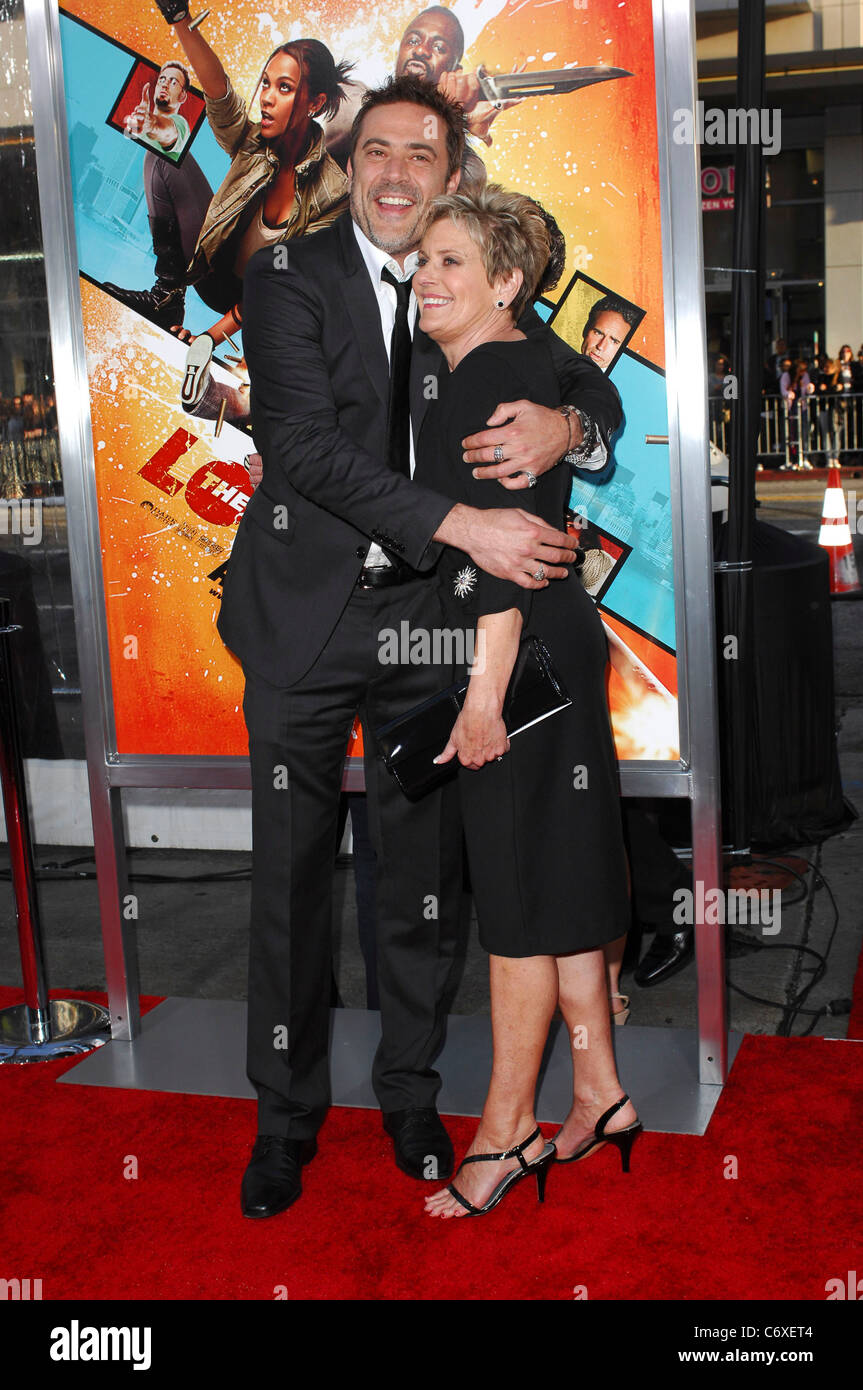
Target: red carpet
676 1228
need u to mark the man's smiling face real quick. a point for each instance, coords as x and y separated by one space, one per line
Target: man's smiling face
399 164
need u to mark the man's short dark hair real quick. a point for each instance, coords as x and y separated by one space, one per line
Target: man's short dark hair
453 18
557 250
187 81
418 93
610 304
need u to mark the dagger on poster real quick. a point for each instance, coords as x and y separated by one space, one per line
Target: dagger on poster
509 86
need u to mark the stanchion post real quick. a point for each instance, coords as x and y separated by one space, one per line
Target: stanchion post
38 1029
38 1019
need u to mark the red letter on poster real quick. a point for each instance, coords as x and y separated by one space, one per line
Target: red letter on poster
218 492
157 470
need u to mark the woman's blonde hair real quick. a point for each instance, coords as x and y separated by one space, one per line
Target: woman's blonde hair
507 228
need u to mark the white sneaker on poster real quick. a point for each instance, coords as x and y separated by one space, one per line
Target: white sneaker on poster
197 374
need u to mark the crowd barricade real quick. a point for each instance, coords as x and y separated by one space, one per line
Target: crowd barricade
809 432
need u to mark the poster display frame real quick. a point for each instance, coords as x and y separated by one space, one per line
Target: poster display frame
694 776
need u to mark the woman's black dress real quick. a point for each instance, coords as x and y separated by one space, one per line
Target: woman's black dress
543 825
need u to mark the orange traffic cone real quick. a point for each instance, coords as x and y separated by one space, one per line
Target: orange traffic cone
835 536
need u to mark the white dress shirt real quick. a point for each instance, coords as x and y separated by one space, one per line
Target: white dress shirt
377 260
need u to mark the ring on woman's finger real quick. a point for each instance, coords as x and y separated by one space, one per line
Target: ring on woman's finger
539 575
498 454
531 477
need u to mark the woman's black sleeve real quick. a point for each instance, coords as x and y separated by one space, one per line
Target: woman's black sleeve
476 390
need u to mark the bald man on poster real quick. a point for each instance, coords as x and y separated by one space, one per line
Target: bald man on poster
431 48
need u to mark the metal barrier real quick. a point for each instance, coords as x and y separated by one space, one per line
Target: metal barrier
809 432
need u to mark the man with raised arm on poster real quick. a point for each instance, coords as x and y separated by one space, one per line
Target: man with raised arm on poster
161 125
336 546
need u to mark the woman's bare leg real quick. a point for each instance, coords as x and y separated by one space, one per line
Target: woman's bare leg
523 1000
613 960
596 1086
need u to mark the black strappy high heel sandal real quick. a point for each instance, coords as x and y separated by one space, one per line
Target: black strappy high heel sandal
539 1166
622 1139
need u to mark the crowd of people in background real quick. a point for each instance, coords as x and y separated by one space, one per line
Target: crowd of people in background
26 417
29 447
829 390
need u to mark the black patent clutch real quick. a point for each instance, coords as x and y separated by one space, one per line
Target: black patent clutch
410 743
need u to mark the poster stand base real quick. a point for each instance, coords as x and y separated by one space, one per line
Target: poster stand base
198 1047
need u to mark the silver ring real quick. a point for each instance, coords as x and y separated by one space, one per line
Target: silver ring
531 477
498 453
540 574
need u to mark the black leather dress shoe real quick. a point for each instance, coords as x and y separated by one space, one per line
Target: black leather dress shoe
422 1145
666 956
271 1183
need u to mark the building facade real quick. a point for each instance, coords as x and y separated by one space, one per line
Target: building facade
814 171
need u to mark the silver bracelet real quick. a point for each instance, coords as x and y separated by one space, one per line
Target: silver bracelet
590 439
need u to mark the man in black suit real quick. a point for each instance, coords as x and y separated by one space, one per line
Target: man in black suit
337 546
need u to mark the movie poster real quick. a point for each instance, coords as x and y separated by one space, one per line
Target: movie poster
566 113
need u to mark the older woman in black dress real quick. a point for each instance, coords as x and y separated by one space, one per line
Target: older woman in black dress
542 817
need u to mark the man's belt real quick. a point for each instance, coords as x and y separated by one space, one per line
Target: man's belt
385 576
501 86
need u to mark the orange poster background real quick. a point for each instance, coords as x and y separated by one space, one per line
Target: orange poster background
177 689
589 156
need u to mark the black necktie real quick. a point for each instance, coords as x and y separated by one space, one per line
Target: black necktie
399 412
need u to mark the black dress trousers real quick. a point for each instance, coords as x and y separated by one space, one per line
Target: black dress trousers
297 742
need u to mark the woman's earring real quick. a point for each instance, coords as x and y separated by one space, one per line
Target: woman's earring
500 304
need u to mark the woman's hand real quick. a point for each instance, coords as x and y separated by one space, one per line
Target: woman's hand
478 736
173 11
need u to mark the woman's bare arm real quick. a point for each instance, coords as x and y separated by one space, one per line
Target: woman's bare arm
479 733
208 67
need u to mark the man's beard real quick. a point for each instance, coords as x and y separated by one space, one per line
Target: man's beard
404 240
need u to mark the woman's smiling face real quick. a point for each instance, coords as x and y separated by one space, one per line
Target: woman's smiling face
452 289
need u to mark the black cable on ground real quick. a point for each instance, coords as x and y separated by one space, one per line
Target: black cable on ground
793 1007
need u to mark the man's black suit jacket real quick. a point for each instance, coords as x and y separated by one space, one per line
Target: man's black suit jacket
320 382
